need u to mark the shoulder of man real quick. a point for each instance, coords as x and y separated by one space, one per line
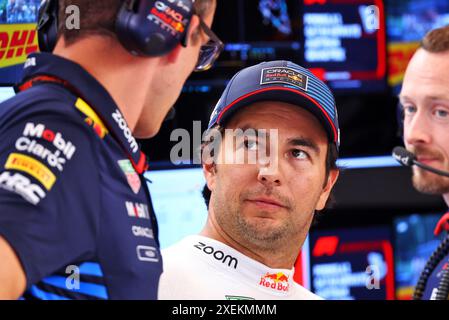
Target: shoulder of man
37 100
49 184
184 276
176 253
42 133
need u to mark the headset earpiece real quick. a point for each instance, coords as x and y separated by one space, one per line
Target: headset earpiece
144 27
153 28
47 27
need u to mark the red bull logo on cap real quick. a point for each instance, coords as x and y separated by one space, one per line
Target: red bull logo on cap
276 281
284 75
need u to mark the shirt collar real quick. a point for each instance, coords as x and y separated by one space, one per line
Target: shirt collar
90 90
274 281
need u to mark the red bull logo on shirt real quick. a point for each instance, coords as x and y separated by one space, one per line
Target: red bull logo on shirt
276 281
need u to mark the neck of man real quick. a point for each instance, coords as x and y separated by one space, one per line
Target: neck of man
283 257
125 77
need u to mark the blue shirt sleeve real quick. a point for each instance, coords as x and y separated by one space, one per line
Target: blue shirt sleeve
49 189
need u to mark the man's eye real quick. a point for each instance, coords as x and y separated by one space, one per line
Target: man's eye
251 145
300 154
408 110
441 113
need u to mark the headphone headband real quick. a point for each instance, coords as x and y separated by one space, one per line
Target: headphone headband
47 25
143 27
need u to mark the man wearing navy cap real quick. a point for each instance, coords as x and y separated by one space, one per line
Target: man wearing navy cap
259 212
76 219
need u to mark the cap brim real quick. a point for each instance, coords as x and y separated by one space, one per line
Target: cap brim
286 95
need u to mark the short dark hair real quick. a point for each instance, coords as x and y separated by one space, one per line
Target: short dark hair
331 163
98 17
436 40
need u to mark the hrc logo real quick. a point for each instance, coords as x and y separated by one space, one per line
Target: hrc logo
17 41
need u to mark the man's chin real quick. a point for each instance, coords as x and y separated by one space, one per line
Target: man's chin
264 228
430 183
145 133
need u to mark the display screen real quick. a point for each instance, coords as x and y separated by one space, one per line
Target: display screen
355 264
178 203
344 43
414 244
254 31
407 23
6 93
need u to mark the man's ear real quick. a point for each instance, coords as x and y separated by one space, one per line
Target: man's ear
193 31
331 180
210 173
192 34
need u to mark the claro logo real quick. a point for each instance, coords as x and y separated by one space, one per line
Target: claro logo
16 42
218 255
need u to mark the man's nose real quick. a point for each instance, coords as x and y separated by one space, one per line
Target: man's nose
270 175
417 130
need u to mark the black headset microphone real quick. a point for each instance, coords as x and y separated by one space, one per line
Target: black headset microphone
408 159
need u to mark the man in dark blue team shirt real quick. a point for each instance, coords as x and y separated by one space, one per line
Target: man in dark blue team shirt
76 220
425 103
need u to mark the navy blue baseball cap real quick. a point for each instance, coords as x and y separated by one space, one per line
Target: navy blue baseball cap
279 81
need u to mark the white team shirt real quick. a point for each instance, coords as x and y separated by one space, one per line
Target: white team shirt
200 268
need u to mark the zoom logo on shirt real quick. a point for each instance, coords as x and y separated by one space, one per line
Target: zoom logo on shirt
118 117
218 255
